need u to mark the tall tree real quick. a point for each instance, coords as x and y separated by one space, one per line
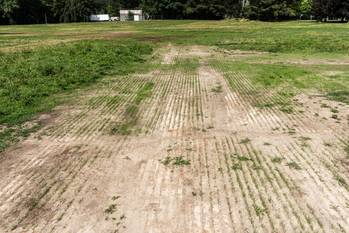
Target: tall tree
73 10
273 9
7 8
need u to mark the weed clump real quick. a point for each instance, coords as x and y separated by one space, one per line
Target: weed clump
245 141
294 165
346 149
130 115
277 159
176 161
111 209
217 89
260 211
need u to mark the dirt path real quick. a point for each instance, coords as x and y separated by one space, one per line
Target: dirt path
239 168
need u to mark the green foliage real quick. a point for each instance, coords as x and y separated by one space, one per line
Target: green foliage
30 78
272 9
339 95
306 7
331 9
294 165
176 161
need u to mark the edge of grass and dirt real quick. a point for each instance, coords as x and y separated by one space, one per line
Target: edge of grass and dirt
36 81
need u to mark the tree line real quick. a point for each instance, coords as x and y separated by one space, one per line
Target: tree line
53 11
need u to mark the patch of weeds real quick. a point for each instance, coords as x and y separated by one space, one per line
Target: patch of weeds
334 116
323 105
260 211
342 181
245 141
53 70
256 167
277 159
346 149
302 138
291 131
176 161
111 209
333 110
341 96
114 198
121 129
287 109
265 105
327 144
237 166
304 141
293 165
217 89
130 115
243 158
11 135
180 161
166 161
32 203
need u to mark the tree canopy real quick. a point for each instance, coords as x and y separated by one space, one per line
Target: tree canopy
40 11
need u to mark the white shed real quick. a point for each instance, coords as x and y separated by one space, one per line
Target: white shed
131 15
99 18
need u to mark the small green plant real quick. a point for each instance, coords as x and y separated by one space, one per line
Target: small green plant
237 166
121 129
260 211
245 141
166 161
243 158
176 161
323 105
294 165
287 109
277 159
346 149
217 89
333 110
111 209
342 181
180 161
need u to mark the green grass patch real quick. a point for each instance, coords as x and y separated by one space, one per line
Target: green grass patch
276 85
176 161
30 78
130 116
34 81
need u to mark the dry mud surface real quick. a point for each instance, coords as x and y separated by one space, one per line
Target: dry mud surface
251 170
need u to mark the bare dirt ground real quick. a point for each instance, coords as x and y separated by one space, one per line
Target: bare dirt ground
240 169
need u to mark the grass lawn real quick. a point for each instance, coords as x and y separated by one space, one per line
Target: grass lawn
225 126
40 61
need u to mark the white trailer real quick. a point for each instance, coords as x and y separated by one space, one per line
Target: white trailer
99 18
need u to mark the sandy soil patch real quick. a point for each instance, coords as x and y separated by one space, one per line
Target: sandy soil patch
205 159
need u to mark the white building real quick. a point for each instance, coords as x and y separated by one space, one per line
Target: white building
131 15
99 18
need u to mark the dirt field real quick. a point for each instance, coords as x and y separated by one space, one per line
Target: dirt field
201 158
